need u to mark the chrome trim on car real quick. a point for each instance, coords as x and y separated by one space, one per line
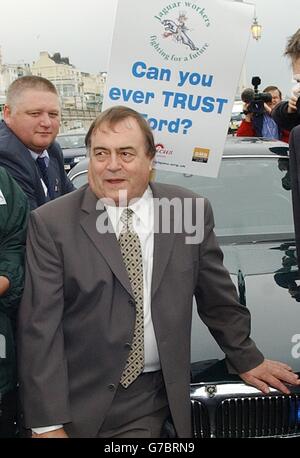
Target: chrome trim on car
238 410
255 156
226 389
82 172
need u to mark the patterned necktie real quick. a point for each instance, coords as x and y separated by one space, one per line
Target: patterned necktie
44 171
132 256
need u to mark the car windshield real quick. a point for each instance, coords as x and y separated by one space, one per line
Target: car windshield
236 117
251 197
71 141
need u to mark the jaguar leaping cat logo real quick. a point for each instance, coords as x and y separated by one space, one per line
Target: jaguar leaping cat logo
178 31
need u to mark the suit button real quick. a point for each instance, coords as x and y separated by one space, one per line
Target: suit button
131 302
127 346
111 387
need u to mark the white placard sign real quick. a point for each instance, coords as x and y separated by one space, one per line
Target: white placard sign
178 64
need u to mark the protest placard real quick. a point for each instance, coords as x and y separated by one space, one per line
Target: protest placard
178 64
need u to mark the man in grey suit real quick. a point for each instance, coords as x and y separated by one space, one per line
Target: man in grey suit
28 150
105 320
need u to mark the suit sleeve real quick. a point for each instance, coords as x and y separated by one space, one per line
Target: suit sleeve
42 365
218 305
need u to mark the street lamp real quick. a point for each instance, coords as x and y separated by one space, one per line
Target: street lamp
256 29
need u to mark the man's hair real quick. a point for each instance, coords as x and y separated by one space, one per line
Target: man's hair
18 86
273 88
293 46
113 116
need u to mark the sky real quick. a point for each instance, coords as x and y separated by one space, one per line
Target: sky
82 30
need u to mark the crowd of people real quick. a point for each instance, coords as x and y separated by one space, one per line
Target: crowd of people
261 123
278 117
95 323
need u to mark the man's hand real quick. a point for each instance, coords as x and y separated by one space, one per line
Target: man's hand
267 108
56 434
4 285
271 373
292 105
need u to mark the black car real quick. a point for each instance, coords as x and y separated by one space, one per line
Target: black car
251 200
73 147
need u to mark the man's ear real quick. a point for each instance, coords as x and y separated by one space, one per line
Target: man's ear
6 114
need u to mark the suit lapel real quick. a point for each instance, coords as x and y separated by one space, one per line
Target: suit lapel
163 242
106 243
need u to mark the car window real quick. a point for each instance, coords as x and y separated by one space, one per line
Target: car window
71 141
236 117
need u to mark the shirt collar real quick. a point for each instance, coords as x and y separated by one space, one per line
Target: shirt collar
43 154
142 209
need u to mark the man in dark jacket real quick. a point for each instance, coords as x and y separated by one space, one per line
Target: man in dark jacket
27 140
13 220
287 114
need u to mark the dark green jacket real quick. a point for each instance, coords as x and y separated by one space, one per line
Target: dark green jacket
13 222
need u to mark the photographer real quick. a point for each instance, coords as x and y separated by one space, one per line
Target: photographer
287 114
257 109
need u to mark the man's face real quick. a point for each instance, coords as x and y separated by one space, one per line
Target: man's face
118 161
275 98
34 118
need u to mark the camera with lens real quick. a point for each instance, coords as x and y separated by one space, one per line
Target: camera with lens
255 99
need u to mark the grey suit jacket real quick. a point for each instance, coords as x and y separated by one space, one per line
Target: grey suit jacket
77 314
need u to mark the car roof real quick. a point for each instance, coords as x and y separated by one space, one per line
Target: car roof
235 146
254 146
71 134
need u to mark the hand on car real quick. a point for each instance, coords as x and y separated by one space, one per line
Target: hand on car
271 374
56 434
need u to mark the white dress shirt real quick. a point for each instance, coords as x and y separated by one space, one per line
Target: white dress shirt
143 224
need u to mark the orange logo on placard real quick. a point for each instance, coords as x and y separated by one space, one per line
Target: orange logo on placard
201 155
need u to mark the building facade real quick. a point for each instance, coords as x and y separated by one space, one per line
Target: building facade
81 93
